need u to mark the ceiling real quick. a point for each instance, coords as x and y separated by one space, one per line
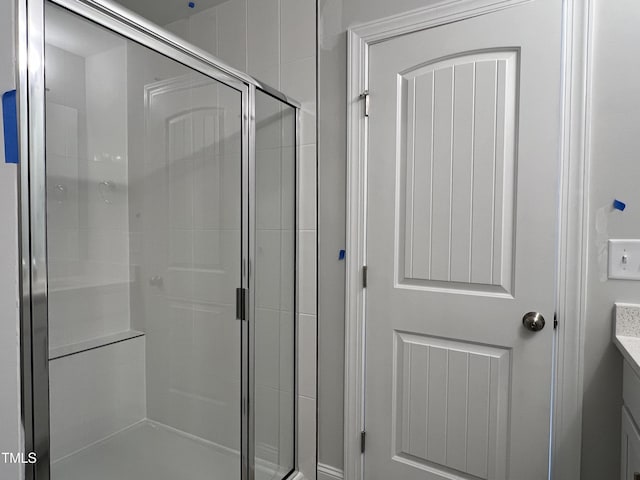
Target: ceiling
167 11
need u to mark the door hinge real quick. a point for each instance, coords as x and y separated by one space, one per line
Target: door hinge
365 96
364 276
363 437
241 299
555 320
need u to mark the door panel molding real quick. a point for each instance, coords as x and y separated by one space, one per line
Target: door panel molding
444 243
572 241
474 423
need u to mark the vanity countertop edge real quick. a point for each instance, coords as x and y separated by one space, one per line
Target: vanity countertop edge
626 333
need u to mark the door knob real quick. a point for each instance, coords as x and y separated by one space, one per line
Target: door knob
533 321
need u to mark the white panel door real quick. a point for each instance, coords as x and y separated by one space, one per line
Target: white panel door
462 178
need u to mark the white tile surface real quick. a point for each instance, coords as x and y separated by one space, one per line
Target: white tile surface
209 245
307 356
87 201
307 437
269 76
307 272
267 423
308 124
267 269
286 351
308 203
232 33
287 242
83 311
287 432
267 344
193 372
263 35
268 123
288 190
203 31
150 451
62 139
298 29
179 27
298 80
95 394
268 188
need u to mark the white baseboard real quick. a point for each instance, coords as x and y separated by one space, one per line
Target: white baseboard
327 472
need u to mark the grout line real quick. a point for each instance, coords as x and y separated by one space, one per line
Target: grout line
246 36
280 45
451 167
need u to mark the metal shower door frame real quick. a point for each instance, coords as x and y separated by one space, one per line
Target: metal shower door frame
32 215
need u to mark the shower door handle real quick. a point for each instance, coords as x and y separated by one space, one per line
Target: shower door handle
241 303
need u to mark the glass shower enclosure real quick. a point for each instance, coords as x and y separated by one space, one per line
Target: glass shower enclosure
158 195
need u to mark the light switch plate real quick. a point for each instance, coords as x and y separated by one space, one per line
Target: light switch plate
624 259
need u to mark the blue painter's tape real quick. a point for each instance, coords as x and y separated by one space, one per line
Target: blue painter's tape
10 122
618 205
341 255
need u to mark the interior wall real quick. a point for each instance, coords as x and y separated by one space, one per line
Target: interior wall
615 173
615 118
9 326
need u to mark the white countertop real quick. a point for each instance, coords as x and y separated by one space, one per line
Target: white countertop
626 333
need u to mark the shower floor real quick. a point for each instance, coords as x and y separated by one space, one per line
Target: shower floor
151 451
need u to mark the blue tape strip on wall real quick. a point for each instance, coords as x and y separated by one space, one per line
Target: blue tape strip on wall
10 122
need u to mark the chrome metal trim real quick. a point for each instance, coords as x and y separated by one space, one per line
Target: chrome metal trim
34 175
24 254
104 12
247 122
241 294
251 298
296 249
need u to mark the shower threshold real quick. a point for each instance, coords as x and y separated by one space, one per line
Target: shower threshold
149 450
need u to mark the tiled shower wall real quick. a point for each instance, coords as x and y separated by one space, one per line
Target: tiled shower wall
87 186
275 41
87 214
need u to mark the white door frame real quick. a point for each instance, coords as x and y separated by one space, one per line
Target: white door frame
573 218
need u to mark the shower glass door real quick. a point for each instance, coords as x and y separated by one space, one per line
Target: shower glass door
274 286
144 208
